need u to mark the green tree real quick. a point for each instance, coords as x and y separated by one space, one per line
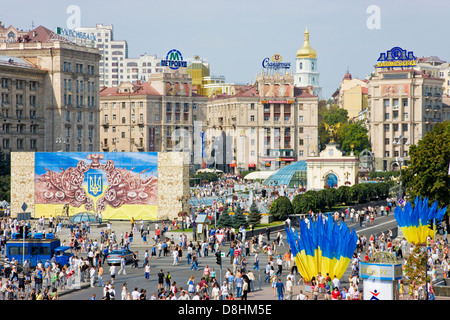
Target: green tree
353 136
304 202
415 267
427 174
254 217
5 190
343 194
225 220
281 208
238 218
331 115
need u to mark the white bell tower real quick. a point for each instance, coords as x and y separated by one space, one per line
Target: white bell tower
306 71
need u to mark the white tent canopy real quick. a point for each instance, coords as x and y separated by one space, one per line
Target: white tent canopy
259 175
210 170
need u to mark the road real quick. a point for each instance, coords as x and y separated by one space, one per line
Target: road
181 273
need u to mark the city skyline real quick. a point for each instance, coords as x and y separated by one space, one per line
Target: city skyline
236 36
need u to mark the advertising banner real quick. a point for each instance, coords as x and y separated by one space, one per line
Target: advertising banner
117 185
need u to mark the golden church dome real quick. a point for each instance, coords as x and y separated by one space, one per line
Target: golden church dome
306 51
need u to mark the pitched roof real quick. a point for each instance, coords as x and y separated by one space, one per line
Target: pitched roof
41 34
144 88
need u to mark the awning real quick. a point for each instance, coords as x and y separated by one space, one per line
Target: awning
251 165
259 175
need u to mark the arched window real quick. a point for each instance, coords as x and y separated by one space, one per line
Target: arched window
300 65
123 120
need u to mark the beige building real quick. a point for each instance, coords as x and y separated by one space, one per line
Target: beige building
67 99
404 105
23 91
263 126
437 68
353 95
157 115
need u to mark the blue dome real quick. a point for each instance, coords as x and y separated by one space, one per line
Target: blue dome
290 175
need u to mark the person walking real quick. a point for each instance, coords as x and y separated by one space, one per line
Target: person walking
147 272
100 275
122 266
112 271
280 289
256 263
194 262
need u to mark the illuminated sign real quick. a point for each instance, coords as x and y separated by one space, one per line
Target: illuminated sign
275 63
78 37
278 159
174 60
277 101
376 271
396 57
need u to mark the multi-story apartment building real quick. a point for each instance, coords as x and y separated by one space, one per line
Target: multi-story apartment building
437 68
352 95
266 125
115 65
157 115
404 105
23 92
67 94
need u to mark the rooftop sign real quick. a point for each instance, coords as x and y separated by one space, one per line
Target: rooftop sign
275 63
174 60
396 57
78 37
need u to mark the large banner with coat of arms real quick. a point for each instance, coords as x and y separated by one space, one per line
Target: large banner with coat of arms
117 185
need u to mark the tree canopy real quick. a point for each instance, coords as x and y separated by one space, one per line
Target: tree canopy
427 174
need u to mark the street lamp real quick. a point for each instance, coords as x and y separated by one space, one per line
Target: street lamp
400 160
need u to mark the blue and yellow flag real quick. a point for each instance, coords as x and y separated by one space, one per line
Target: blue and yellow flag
415 221
324 246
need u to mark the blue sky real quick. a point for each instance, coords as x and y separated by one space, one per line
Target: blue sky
236 35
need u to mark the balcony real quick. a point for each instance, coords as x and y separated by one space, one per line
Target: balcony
105 123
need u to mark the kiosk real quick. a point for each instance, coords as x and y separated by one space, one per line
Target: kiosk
381 278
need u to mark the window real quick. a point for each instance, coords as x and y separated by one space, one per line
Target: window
386 128
252 118
300 118
300 142
386 103
405 127
394 115
386 141
252 106
386 116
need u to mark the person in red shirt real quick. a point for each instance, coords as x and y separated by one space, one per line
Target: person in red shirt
335 294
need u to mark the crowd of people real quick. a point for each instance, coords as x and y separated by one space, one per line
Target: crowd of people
247 254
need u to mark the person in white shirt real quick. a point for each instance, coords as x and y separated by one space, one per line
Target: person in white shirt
183 296
336 282
123 262
301 296
112 271
135 294
175 257
224 290
92 275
